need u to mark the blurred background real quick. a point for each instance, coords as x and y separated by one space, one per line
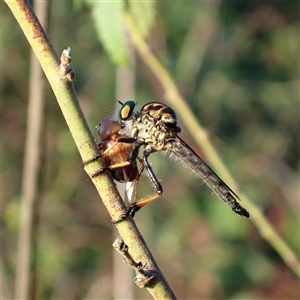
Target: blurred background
237 66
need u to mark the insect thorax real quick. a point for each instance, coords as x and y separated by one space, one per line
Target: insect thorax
152 133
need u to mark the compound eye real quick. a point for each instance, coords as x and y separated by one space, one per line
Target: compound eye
127 110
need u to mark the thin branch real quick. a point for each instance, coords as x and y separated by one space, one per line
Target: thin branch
87 147
173 96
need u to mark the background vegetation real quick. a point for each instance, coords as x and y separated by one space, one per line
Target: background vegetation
237 65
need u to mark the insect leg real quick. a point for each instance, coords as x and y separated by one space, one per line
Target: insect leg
134 207
99 154
92 159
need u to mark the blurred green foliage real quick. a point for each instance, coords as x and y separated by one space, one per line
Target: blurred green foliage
237 64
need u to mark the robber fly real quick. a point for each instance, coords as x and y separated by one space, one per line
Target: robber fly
155 128
120 155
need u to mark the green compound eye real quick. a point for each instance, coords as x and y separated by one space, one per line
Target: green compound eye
126 110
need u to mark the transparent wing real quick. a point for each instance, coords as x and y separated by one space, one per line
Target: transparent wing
189 158
130 191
